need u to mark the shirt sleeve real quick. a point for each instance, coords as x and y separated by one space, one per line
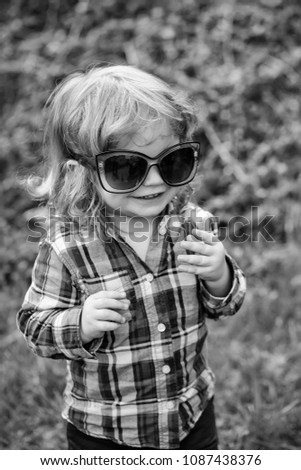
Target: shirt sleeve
50 314
216 307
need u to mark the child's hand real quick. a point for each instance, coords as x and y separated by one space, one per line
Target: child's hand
103 311
207 261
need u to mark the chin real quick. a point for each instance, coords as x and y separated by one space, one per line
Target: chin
151 211
146 213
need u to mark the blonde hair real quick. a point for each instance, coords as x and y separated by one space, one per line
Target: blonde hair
91 111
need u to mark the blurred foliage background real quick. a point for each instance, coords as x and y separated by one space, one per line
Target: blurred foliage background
240 62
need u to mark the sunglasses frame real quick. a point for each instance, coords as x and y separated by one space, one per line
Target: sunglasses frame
105 155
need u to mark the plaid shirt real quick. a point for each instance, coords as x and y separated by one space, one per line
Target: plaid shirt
146 383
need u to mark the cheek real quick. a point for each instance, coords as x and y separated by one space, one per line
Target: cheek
114 201
110 200
173 192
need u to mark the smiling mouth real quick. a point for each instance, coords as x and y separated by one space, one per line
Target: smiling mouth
149 196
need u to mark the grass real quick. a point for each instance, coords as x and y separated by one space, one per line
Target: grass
256 356
31 401
240 63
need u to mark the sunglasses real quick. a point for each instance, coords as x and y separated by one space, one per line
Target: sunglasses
124 171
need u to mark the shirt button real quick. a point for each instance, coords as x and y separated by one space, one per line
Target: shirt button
166 369
170 405
161 327
149 277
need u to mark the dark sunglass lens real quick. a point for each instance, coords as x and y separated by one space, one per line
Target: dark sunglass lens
177 166
124 171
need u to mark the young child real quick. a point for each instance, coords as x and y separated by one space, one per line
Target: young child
120 289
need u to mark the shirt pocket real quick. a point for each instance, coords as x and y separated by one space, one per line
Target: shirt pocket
118 281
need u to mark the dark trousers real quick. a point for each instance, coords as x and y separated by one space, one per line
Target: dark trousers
202 437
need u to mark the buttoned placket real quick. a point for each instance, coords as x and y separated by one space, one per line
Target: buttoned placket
161 351
161 331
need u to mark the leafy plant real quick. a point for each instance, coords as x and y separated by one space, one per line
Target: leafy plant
240 63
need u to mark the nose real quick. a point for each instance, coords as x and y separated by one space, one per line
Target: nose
153 177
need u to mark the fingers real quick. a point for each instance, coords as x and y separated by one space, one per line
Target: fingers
106 315
109 294
196 260
194 264
103 303
107 306
94 322
200 242
202 252
207 237
192 269
109 326
103 311
109 300
198 247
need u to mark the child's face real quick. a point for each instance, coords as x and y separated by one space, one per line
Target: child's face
154 194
